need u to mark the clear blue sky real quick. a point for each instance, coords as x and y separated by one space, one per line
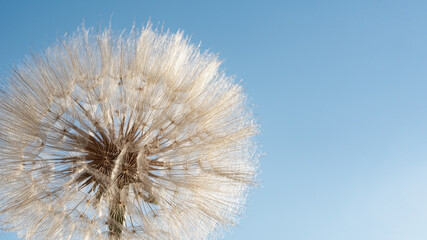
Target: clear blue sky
340 88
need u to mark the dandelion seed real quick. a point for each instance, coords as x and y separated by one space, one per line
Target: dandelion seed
136 136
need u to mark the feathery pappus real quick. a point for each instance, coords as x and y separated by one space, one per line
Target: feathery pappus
124 136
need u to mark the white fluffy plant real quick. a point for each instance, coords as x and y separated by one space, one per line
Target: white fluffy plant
135 136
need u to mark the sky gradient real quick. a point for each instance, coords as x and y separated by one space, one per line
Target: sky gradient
339 88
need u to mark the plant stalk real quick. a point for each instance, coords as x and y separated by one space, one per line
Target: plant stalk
117 217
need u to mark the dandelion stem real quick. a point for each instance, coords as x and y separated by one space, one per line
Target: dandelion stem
117 217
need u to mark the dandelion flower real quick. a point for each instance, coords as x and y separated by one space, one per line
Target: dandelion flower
131 136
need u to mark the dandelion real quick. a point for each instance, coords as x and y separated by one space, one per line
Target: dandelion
131 136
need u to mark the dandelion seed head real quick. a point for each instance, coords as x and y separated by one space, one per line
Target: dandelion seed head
131 136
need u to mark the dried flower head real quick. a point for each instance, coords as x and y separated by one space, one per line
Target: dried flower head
135 136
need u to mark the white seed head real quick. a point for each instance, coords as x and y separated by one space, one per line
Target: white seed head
136 136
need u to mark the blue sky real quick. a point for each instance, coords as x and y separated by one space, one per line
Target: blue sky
339 87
